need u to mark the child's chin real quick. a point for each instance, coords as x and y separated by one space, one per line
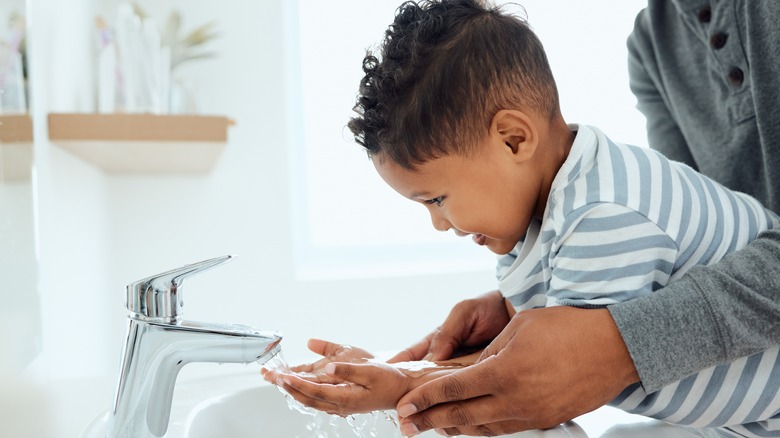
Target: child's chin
498 249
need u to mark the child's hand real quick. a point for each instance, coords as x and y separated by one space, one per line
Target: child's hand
363 387
331 352
347 380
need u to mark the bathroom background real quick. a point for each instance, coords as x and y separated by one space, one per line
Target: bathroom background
324 249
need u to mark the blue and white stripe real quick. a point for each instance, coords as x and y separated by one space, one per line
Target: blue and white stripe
622 222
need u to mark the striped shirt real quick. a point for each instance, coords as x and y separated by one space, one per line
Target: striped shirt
622 222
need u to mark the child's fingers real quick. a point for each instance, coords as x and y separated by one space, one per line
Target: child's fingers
304 368
269 375
338 394
275 377
269 371
320 405
323 348
361 374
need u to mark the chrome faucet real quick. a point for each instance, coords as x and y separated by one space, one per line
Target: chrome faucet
158 344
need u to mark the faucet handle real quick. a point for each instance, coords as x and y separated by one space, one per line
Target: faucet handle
159 297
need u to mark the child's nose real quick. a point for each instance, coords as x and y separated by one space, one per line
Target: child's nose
439 222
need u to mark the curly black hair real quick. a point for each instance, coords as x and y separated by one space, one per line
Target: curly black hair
446 68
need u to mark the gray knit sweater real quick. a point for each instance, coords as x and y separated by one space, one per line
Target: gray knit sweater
707 76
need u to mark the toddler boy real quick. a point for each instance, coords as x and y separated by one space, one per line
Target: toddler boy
460 113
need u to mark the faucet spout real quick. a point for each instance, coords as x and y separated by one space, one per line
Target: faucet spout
158 344
155 353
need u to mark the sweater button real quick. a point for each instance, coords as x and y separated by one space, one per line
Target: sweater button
705 14
736 76
718 40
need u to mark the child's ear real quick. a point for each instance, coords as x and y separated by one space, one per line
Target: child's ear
517 132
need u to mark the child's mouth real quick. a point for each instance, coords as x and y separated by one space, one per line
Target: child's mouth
479 239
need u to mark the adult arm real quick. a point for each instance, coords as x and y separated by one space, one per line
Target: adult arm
732 309
570 361
713 314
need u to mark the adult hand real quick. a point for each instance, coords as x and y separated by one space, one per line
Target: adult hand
470 325
548 366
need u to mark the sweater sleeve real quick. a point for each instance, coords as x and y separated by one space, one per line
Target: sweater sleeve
711 315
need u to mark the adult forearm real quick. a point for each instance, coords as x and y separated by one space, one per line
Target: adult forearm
712 315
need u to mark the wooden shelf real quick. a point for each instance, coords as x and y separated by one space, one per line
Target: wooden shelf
16 148
16 129
142 143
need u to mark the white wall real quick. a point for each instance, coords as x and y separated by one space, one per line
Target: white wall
97 232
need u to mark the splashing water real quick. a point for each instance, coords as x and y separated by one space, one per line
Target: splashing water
324 425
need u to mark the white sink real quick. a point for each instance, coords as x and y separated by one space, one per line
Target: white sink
263 411
237 403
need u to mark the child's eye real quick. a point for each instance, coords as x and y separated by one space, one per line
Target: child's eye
436 201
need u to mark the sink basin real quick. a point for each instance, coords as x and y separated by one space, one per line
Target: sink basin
263 411
234 401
